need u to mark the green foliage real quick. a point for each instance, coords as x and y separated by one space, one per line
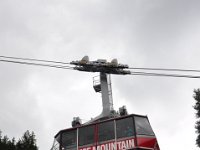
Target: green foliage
197 108
27 142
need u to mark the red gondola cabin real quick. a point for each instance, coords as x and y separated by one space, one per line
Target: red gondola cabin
131 132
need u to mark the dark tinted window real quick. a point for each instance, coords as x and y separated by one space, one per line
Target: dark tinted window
142 126
124 127
86 135
58 138
106 131
69 139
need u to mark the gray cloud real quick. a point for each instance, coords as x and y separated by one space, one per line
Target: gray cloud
139 33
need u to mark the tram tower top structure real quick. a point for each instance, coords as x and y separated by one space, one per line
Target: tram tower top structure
104 85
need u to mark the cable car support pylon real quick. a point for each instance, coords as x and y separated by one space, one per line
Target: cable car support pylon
104 85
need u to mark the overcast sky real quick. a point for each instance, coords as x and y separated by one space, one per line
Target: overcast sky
140 33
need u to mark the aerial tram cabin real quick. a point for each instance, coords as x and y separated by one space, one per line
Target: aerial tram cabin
110 130
130 132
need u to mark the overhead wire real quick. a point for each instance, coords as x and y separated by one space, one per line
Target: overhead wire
163 75
165 69
63 65
31 59
38 64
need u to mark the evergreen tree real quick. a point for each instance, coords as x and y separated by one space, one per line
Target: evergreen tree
197 108
27 142
6 144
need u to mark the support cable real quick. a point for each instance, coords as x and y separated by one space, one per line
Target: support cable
165 69
163 75
63 65
31 59
39 64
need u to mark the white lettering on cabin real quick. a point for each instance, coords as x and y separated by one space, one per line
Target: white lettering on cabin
113 146
131 143
123 145
120 145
